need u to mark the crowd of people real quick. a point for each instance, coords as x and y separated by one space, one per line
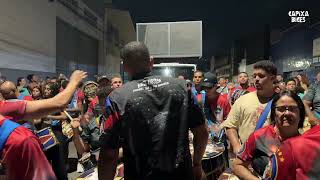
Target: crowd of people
145 124
74 104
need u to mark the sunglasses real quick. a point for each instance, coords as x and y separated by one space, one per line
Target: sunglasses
289 108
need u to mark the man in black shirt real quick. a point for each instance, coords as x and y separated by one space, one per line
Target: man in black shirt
150 117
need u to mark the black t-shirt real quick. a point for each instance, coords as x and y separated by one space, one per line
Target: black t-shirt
150 118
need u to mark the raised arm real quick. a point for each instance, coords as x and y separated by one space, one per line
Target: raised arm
313 120
37 109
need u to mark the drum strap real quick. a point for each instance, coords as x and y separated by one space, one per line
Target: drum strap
6 129
264 115
317 114
194 94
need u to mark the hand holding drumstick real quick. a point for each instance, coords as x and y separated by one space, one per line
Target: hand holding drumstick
75 123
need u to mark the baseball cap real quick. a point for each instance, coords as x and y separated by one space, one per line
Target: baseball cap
102 77
209 80
90 91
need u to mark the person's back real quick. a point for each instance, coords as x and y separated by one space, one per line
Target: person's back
150 118
154 126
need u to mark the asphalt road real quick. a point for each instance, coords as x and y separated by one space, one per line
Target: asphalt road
73 159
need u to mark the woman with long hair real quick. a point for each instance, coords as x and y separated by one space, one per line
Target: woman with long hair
36 92
58 154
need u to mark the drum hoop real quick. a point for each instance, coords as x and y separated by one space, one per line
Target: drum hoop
51 133
213 156
43 129
87 172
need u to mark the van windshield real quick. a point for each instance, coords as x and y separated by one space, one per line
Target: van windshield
174 71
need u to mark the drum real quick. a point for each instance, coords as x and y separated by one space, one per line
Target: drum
228 175
91 174
47 138
213 161
88 161
67 129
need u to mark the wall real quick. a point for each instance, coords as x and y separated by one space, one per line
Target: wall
28 34
293 52
74 20
119 31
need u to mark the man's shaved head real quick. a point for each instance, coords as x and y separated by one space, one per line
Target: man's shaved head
8 90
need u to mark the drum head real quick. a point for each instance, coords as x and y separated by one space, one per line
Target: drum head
91 174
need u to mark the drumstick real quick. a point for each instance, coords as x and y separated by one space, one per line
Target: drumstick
71 119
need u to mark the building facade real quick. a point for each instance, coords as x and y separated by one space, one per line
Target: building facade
297 50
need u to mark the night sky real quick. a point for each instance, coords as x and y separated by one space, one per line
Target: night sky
223 20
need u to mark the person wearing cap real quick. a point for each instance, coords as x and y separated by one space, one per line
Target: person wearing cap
103 81
150 118
215 105
90 91
88 139
245 112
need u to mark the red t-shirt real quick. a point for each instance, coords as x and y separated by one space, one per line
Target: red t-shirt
265 140
222 108
13 110
80 96
219 107
250 88
92 104
22 154
28 98
260 145
297 158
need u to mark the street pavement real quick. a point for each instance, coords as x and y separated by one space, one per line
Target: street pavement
73 158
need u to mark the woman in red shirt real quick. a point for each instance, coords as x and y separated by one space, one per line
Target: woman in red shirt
287 116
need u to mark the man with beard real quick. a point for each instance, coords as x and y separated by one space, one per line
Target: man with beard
245 112
243 81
